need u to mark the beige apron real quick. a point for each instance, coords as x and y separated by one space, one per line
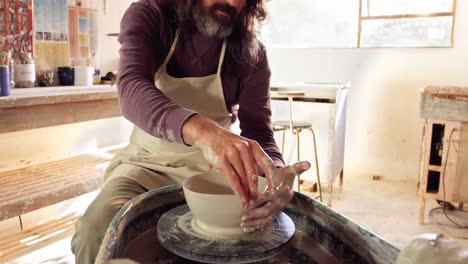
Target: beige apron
155 162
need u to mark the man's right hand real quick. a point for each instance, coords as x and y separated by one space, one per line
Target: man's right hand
233 155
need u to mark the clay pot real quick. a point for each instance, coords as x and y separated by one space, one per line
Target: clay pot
216 209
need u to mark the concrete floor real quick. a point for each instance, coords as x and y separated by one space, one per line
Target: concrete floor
388 208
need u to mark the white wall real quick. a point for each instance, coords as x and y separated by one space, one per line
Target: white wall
383 129
109 22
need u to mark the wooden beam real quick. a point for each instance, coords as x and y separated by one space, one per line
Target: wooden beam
442 14
359 24
454 13
368 8
38 116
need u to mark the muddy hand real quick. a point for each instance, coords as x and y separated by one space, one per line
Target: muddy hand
271 203
233 155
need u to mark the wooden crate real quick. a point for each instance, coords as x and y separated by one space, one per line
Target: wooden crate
444 162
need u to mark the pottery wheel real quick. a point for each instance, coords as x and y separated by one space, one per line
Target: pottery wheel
176 234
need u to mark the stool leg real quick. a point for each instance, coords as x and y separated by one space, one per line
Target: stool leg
298 139
282 142
316 164
341 180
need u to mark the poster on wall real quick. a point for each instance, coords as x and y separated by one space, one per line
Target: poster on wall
82 24
51 34
50 21
16 25
65 32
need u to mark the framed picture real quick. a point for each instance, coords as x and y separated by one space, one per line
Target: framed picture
39 36
64 37
47 36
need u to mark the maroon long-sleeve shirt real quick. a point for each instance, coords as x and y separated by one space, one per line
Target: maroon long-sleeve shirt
146 36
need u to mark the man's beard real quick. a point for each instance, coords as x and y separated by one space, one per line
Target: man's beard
212 24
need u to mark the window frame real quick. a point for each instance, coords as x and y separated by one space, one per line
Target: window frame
370 17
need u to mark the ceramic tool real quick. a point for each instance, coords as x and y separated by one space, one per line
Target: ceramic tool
176 234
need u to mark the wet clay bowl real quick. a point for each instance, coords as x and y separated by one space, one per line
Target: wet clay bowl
216 210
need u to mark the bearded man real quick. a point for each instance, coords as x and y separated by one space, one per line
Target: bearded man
188 69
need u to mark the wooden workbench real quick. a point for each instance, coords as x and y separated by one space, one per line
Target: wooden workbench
42 107
38 185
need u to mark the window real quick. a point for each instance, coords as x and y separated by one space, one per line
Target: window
406 23
359 23
311 23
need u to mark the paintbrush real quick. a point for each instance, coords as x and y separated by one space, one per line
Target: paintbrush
5 57
2 58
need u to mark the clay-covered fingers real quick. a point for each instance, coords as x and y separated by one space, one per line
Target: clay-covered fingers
262 199
234 157
259 217
246 153
283 195
296 168
266 207
235 182
262 159
255 224
257 213
267 204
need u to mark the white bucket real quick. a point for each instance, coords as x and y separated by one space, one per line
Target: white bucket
83 76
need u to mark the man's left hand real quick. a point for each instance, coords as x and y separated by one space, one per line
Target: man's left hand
270 204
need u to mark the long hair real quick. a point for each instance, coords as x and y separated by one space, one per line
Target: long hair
243 47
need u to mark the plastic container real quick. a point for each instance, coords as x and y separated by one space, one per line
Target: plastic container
83 75
4 80
12 73
97 77
65 76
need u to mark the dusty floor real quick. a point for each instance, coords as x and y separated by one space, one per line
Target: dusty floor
388 208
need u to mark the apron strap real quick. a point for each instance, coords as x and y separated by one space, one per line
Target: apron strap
171 51
221 57
174 45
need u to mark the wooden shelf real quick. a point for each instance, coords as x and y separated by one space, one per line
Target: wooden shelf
33 187
43 107
448 181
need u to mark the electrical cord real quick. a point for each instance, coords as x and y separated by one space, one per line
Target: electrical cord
443 207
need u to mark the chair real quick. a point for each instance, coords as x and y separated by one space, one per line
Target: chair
296 128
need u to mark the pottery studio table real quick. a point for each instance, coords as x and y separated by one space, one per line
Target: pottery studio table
333 98
28 187
30 108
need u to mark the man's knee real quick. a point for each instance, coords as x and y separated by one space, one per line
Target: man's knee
90 229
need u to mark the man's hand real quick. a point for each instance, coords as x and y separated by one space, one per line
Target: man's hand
271 203
233 155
